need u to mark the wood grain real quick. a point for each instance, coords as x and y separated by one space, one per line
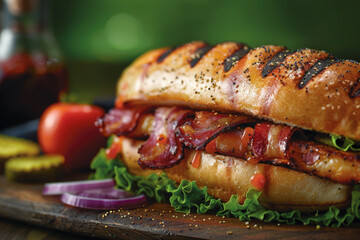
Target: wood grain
24 202
11 229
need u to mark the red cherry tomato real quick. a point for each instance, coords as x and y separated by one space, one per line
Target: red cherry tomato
69 129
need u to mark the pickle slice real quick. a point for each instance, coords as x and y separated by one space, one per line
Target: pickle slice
15 147
43 168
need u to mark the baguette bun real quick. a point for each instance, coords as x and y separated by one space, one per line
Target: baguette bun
225 176
292 93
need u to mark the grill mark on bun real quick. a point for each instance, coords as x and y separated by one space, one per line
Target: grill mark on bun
317 68
166 53
332 92
235 57
198 54
274 62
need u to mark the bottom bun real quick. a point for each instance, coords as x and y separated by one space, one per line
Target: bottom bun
224 176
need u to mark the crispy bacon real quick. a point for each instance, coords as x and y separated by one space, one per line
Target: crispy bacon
229 144
208 125
121 121
260 139
295 153
324 161
270 141
267 142
163 149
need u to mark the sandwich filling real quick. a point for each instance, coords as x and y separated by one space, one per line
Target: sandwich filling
169 130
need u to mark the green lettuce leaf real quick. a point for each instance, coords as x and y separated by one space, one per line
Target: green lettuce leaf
104 168
336 141
187 197
154 186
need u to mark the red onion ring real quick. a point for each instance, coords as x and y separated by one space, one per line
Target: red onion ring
108 198
76 186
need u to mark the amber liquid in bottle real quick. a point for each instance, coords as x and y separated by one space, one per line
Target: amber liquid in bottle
32 73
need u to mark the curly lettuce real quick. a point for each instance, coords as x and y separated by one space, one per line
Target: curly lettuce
187 197
339 142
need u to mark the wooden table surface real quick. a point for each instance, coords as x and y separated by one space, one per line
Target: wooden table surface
45 217
13 230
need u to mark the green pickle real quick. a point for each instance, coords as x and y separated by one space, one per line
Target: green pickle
15 147
34 169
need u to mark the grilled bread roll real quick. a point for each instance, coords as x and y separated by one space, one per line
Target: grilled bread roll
225 176
305 88
246 112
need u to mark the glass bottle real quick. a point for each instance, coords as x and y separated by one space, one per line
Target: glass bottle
32 71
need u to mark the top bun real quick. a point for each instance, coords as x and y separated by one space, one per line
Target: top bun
306 88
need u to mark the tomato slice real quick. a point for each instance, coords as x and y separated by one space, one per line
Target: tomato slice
246 138
161 140
119 102
115 148
196 160
211 147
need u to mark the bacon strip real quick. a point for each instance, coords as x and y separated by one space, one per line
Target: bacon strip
270 141
324 161
235 143
163 149
121 121
206 126
273 144
260 139
267 143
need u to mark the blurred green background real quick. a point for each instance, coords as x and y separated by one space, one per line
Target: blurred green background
100 37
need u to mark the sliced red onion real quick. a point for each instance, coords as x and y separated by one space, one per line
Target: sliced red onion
76 186
101 199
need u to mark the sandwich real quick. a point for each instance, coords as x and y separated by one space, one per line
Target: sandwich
233 120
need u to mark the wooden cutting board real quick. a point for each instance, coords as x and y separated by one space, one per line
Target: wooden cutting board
24 202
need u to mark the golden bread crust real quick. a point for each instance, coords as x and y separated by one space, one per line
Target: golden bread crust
323 104
226 176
